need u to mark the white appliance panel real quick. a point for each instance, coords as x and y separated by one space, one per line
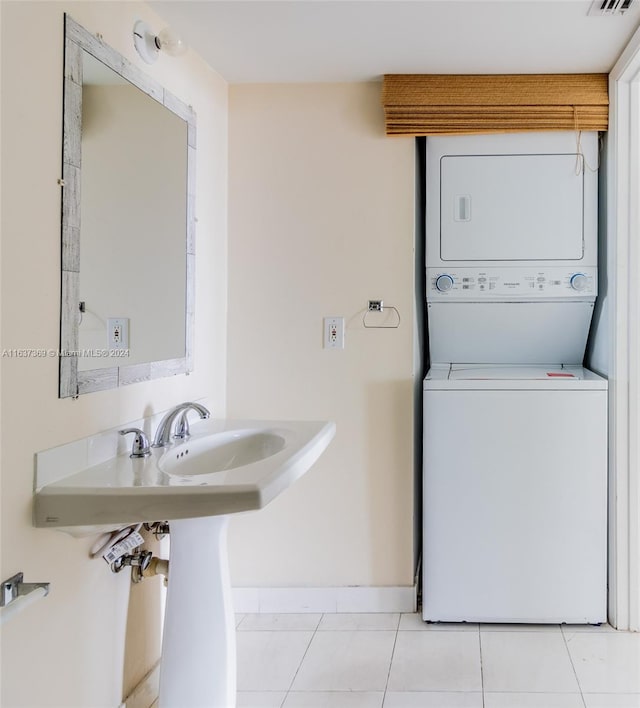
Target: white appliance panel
510 208
510 283
494 377
515 506
508 332
512 199
459 372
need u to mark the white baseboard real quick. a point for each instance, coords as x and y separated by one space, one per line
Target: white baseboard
146 692
338 599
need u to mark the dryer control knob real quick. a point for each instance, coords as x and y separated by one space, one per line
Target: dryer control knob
579 282
444 283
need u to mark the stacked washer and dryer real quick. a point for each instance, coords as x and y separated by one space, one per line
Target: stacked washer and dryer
515 429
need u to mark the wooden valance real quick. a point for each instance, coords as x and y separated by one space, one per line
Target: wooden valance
449 104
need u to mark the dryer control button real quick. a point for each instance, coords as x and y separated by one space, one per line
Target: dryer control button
444 283
579 281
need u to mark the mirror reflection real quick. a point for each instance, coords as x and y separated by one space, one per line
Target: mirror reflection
133 229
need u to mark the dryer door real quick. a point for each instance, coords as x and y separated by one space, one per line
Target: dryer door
511 207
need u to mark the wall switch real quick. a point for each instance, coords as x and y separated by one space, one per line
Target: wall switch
334 332
118 332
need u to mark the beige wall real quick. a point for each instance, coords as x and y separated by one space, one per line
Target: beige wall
67 650
321 219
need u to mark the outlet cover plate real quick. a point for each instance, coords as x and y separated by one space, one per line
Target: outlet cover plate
334 332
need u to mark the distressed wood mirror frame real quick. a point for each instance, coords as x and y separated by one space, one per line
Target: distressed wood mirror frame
73 381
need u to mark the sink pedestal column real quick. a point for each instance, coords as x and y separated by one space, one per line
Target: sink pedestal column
198 665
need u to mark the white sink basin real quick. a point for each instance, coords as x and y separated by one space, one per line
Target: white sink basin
211 455
224 467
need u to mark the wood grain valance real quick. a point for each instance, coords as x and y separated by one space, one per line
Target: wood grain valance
441 104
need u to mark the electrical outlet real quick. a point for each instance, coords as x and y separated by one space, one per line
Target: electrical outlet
118 332
334 332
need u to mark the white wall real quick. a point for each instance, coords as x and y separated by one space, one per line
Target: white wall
321 219
67 650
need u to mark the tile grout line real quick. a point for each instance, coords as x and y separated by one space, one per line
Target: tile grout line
575 673
481 668
306 651
393 651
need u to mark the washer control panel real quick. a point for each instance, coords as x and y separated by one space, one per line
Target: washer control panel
481 284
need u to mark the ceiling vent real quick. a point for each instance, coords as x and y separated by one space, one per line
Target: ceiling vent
609 7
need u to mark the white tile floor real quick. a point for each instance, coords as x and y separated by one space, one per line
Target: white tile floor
398 661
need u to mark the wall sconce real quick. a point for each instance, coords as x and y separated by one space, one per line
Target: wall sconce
148 44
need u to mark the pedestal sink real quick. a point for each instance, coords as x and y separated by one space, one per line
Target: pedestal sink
223 468
198 665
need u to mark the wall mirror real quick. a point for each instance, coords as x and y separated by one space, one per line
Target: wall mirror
128 223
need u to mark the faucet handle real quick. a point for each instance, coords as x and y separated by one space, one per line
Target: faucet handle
140 442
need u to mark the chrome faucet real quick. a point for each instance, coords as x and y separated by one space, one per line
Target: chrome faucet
163 434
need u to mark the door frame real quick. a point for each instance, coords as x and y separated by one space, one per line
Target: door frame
623 252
